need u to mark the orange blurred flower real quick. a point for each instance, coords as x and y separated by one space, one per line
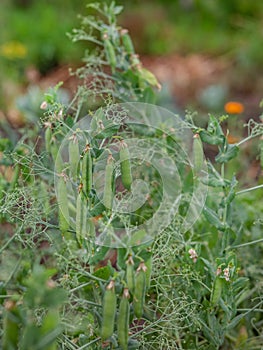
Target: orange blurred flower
232 139
233 107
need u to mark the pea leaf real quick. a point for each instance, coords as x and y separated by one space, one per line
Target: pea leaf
103 273
148 95
227 154
213 218
121 258
99 255
235 321
214 134
211 139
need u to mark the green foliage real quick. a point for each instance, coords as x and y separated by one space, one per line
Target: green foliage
197 289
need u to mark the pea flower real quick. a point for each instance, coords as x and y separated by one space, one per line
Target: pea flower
218 271
226 274
193 254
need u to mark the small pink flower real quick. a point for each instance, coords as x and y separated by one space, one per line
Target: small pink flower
193 254
43 105
218 271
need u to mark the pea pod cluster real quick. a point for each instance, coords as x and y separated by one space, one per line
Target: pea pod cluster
133 295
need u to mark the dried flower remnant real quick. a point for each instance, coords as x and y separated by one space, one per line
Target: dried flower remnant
193 254
233 107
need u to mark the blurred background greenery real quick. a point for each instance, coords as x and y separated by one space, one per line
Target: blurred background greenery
226 35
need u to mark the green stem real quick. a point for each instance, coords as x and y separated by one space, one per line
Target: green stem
247 139
7 243
249 189
248 243
77 113
90 343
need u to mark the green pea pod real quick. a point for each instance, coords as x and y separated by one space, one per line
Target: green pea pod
45 198
110 53
261 153
48 137
57 158
81 218
10 327
140 289
54 150
87 172
108 311
89 235
74 158
123 320
127 42
15 177
130 274
198 153
217 290
63 205
51 322
148 273
108 192
126 175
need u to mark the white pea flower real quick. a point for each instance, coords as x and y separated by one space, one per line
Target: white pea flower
226 274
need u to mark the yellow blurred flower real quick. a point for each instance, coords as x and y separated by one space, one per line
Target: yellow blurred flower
13 50
233 107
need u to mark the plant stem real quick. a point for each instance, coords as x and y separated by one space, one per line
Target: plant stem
249 189
248 243
85 346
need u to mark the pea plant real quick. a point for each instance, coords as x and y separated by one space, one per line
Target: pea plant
125 225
